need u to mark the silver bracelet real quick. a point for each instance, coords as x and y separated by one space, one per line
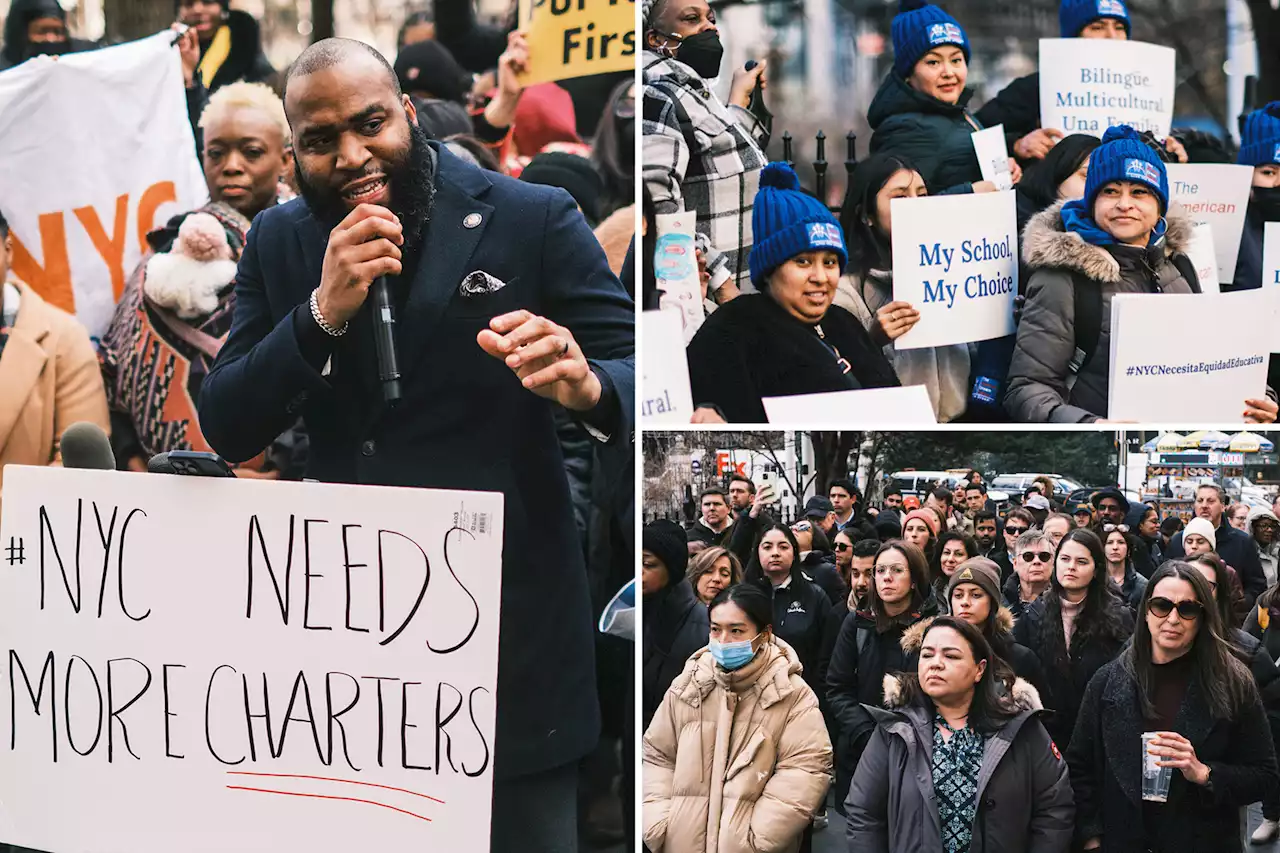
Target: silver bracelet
320 320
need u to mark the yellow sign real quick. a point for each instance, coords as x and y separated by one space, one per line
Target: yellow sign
573 38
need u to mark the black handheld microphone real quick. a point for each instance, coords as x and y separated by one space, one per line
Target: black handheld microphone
85 445
384 337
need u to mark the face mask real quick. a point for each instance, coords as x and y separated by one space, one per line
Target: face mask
627 139
732 656
702 53
1267 200
50 48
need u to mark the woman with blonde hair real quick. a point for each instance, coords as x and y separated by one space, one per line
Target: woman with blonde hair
712 570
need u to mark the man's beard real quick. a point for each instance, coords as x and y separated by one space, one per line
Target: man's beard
411 180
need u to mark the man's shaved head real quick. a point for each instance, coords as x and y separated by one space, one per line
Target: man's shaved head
327 53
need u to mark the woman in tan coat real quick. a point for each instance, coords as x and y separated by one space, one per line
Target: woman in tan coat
737 757
49 373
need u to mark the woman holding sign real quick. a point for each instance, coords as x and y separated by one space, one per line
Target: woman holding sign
866 289
920 111
1172 739
788 338
1122 237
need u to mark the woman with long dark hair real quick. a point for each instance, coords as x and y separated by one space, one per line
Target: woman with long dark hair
953 548
1060 176
1075 628
737 751
870 645
1180 681
613 150
866 288
1120 547
955 741
800 606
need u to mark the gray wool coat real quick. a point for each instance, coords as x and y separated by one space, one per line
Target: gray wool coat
1024 797
1040 390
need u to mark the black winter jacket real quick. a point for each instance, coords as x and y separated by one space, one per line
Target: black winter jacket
1064 690
676 625
800 616
1017 107
820 569
1105 760
932 134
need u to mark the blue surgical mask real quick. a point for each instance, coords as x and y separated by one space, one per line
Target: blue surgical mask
732 656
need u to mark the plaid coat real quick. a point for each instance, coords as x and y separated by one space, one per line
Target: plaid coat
701 155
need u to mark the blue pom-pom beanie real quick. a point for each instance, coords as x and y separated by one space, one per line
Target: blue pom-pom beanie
786 222
1075 15
917 29
1123 156
1260 137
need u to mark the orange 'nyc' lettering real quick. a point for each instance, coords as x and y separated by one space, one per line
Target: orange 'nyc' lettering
53 280
111 248
152 197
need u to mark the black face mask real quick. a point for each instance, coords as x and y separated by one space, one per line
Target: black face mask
50 48
627 139
702 53
1267 202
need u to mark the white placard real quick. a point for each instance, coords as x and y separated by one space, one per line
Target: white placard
1271 253
1200 251
993 156
873 407
1088 85
1216 194
159 651
79 228
675 266
1164 370
665 397
955 259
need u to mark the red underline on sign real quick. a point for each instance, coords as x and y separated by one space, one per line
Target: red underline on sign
331 779
328 797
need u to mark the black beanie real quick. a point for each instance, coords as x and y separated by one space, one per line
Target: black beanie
428 66
667 541
577 175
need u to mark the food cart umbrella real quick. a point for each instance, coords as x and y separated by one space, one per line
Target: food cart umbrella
1248 442
1192 441
1167 443
1214 440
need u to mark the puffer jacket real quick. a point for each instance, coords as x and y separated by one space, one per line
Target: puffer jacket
1023 794
1039 390
943 371
1023 661
735 762
932 134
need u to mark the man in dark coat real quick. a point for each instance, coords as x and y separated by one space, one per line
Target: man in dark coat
475 255
676 623
1235 547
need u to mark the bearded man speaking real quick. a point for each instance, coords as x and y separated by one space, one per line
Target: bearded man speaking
506 307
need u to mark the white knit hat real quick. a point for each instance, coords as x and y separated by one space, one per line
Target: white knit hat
1201 527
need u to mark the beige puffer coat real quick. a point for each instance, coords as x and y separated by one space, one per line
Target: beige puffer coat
735 762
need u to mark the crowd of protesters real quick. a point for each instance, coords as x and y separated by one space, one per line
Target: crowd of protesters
141 381
798 302
954 675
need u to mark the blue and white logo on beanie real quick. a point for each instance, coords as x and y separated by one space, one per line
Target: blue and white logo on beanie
1141 170
1109 8
945 33
1275 157
825 235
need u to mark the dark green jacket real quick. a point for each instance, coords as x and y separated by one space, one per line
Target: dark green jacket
933 135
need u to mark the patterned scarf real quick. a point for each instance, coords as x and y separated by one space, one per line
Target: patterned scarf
956 764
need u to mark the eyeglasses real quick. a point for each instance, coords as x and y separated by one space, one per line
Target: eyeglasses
841 546
885 571
801 526
1015 531
1188 610
1111 528
1042 556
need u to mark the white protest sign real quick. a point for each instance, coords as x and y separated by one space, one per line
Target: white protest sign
1164 369
675 266
993 156
665 395
164 636
80 202
955 259
873 407
1271 253
1200 251
1216 194
1088 85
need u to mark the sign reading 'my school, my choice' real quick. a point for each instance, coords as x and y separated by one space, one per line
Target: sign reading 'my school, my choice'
1088 85
573 38
955 259
209 665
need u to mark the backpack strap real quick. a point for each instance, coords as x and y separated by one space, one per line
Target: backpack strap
864 639
1187 270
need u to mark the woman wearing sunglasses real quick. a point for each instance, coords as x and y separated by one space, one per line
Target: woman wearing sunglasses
1119 547
953 548
800 607
1075 628
1180 679
870 645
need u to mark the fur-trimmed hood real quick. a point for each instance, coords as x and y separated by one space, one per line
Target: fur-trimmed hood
1045 243
914 636
1025 696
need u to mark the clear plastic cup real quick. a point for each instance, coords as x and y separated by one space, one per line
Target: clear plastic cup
1155 779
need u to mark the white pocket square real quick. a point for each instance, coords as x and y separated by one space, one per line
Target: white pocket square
480 282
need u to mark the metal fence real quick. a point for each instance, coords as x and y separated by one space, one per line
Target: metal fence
819 162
